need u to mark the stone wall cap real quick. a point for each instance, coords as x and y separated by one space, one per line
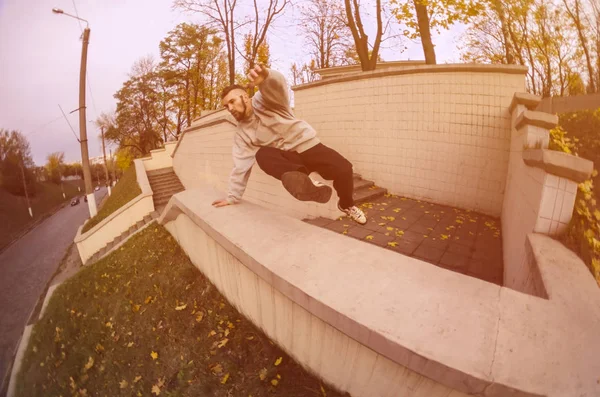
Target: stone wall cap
561 164
418 69
524 98
538 119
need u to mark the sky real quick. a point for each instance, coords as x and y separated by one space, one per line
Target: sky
40 54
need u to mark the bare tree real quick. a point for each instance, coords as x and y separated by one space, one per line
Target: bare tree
326 32
423 22
220 14
368 59
263 18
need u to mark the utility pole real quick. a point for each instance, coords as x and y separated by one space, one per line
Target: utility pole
105 166
85 159
25 184
113 166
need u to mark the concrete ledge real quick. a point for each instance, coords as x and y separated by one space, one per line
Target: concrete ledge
12 385
560 164
119 221
418 69
538 119
49 294
463 333
530 101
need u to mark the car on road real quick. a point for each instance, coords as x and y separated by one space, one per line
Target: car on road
75 201
97 188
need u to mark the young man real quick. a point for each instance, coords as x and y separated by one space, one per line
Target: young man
283 146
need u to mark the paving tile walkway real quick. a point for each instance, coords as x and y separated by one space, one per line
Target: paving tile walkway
459 240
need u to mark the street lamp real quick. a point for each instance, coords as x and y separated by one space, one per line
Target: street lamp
85 158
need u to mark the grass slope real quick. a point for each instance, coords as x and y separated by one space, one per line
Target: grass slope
124 191
145 322
14 216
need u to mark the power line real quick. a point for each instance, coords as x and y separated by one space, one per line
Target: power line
77 15
65 116
42 126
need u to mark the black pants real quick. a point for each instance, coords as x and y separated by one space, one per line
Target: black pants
327 162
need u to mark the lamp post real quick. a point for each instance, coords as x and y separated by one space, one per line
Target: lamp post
85 159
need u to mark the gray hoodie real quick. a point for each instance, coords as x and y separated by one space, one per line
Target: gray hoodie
274 125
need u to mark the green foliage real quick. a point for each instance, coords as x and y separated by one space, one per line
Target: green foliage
560 142
442 14
15 160
124 191
583 233
54 164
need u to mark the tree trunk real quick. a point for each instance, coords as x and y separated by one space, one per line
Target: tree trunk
423 20
510 59
577 20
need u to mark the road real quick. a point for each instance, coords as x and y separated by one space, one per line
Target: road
27 266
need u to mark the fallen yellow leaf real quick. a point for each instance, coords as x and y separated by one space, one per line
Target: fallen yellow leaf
181 307
226 332
224 379
148 300
89 364
211 333
199 317
274 382
392 244
156 390
130 344
154 355
389 228
262 374
369 237
222 343
123 384
135 308
444 236
278 361
137 379
216 369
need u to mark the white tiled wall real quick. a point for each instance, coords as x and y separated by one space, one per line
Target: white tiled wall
204 158
443 137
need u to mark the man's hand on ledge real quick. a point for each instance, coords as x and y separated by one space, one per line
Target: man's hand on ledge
220 203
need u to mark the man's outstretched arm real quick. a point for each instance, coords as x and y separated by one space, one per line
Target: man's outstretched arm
271 84
244 156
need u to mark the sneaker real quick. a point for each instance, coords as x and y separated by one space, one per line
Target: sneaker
302 187
354 213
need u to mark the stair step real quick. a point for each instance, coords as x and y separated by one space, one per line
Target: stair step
168 192
362 184
368 194
159 171
147 218
165 182
163 177
155 214
162 202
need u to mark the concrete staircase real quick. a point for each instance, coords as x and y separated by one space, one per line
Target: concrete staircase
164 184
365 190
120 240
